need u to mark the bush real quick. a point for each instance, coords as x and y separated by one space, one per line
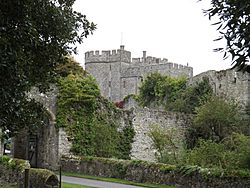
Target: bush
157 89
232 153
168 144
206 154
215 120
173 93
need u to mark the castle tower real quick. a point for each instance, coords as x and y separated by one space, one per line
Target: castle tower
118 76
106 68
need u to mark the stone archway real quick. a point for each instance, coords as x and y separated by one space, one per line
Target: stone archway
40 147
48 143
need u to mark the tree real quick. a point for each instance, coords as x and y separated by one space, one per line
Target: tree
168 142
190 98
160 89
234 26
71 66
216 119
35 37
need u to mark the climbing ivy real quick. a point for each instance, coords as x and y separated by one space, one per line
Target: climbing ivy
91 122
173 93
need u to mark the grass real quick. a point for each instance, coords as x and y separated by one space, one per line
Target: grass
10 186
70 185
64 185
115 180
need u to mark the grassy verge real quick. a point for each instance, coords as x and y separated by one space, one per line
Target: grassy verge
64 185
115 180
10 186
70 185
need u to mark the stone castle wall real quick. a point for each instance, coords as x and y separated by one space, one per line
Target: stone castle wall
118 76
228 84
143 122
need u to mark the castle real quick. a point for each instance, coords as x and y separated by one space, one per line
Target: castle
119 76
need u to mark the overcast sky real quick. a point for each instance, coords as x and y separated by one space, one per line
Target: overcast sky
172 29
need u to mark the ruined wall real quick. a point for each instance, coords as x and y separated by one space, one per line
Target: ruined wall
119 118
48 147
45 138
64 144
228 84
143 121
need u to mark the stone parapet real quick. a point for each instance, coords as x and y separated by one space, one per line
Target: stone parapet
119 55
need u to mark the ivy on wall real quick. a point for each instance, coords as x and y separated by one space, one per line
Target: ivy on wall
173 93
91 122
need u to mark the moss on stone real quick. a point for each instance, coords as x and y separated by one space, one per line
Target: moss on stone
42 177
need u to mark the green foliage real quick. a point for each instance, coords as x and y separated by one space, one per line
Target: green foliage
42 178
35 37
232 153
233 25
91 122
172 93
76 91
70 67
190 98
207 154
76 105
126 137
168 144
157 88
11 163
216 119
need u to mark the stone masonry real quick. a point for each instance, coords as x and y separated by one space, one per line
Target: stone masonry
118 76
46 142
143 122
228 84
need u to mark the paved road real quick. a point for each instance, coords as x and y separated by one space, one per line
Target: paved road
95 183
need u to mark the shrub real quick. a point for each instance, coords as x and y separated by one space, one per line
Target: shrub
168 144
215 120
232 153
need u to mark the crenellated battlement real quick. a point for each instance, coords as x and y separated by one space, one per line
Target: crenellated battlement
149 60
163 67
119 76
119 55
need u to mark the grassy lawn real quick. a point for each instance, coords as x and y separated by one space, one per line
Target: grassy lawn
69 185
115 180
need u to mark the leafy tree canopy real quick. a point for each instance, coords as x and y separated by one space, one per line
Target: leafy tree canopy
234 26
216 119
35 37
156 88
70 67
172 93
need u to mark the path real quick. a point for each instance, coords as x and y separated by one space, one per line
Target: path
95 183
